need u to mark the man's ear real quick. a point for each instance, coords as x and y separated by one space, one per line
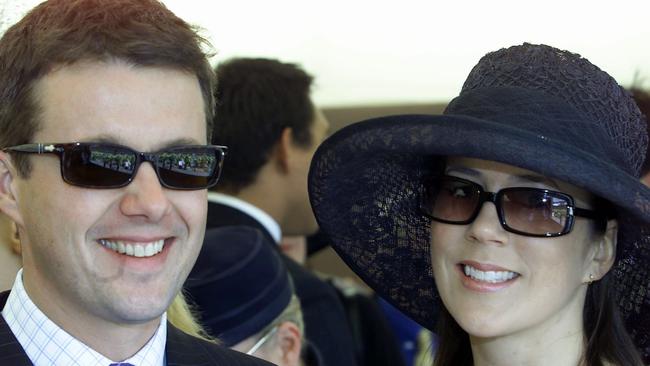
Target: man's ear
604 253
8 197
289 338
15 239
282 151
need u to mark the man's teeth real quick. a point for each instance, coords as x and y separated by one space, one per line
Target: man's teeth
488 276
134 249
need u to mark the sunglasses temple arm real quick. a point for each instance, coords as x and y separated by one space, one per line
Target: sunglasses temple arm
32 148
590 214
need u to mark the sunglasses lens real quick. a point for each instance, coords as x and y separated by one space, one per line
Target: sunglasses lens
190 167
535 211
453 201
100 166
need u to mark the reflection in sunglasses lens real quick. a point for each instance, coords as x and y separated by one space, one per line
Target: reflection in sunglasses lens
534 211
455 201
97 165
187 167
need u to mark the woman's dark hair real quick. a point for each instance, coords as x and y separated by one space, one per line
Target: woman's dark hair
606 335
454 348
607 338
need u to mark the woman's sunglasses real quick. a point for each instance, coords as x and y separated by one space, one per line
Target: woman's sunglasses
101 165
525 211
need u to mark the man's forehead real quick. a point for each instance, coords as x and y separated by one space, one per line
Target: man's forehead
93 63
117 101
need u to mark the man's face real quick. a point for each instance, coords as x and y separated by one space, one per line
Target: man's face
301 220
67 271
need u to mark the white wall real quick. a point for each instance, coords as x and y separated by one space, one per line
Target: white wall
375 52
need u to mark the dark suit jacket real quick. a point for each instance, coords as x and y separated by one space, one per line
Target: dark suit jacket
326 324
181 349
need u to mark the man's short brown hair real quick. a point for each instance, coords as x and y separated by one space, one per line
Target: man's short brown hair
62 32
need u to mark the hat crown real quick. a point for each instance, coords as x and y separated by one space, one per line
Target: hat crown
550 119
239 283
574 79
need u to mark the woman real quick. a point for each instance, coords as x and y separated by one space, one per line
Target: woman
514 225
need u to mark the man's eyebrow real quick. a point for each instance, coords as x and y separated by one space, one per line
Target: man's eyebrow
108 139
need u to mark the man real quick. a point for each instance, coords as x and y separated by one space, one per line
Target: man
266 116
100 101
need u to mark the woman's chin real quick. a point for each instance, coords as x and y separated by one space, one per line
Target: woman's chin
482 325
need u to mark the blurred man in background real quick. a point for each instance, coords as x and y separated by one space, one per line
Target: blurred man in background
272 128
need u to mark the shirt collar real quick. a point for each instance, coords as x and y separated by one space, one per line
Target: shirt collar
45 343
262 217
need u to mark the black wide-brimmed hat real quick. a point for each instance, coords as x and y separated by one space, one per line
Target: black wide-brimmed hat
531 106
239 283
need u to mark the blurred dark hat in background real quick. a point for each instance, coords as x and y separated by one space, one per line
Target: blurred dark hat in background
239 283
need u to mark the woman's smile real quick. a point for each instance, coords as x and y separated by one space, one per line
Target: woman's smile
482 277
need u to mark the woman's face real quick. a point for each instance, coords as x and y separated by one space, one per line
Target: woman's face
514 282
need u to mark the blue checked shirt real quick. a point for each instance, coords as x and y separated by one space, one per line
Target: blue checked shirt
46 344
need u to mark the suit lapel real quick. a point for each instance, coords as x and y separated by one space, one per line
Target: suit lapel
182 349
11 352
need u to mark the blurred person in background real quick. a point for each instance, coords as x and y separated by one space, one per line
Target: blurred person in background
267 119
244 297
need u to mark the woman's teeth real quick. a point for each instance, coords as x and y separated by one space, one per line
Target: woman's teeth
488 276
134 249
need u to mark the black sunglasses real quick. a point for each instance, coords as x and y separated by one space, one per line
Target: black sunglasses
525 211
102 165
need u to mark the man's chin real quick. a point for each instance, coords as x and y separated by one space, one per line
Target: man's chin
139 314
